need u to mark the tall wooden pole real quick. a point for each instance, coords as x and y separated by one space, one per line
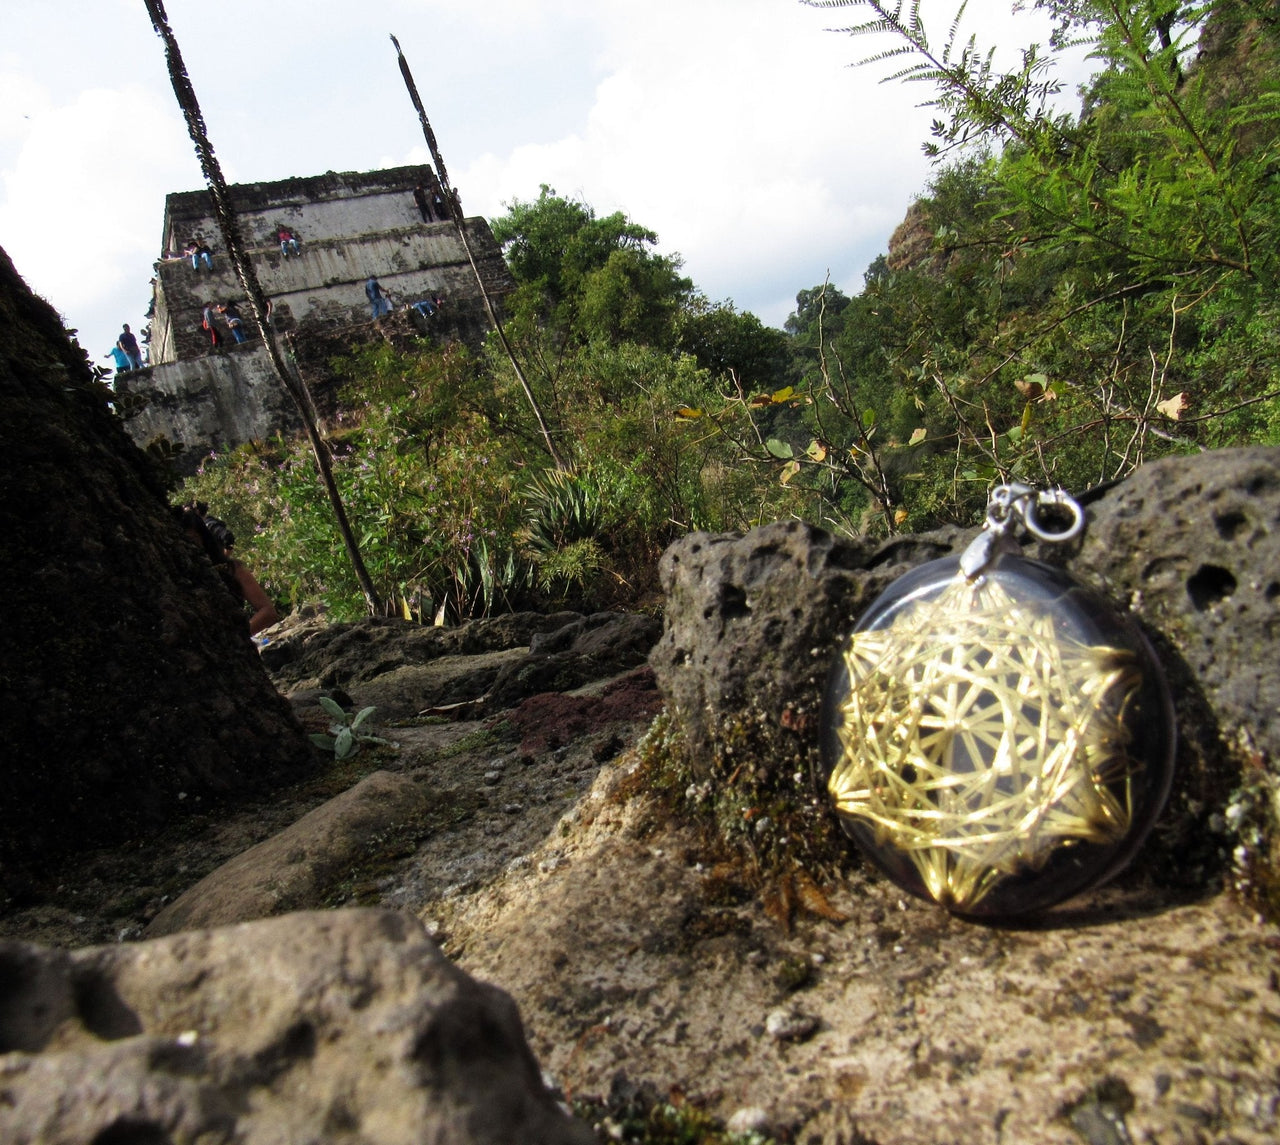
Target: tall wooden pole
226 218
455 214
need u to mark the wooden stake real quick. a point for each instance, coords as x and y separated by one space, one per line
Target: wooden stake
224 213
455 214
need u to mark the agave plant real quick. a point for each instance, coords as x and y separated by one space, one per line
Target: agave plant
561 507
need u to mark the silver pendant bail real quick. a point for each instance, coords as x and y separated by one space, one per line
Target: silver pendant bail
1010 506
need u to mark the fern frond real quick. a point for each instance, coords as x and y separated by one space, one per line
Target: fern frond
891 54
871 28
955 28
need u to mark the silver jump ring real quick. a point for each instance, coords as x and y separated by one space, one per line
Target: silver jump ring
1059 499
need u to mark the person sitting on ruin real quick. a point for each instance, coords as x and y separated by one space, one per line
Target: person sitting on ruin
287 241
235 322
216 540
428 306
198 249
129 344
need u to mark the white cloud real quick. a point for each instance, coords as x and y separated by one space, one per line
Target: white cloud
720 126
733 128
80 214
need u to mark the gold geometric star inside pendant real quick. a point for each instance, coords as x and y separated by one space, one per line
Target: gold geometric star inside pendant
978 740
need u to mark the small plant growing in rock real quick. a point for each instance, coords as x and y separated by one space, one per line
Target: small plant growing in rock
345 737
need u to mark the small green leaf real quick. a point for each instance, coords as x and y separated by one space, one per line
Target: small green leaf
917 436
783 394
344 744
365 713
322 741
333 708
868 417
779 449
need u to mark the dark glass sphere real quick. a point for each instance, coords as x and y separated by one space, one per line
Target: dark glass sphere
999 745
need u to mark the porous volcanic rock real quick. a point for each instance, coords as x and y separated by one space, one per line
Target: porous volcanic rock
1190 545
128 682
337 1026
751 625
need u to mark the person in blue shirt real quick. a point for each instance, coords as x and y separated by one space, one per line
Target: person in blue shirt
121 360
377 303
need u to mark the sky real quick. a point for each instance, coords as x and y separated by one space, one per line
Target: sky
737 130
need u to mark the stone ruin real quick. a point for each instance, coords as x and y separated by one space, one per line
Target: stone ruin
349 226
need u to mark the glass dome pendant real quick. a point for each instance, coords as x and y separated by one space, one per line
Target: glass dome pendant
996 736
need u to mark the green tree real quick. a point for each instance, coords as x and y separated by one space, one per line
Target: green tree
581 277
1094 285
734 344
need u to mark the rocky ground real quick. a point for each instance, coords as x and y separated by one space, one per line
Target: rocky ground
651 966
493 786
538 818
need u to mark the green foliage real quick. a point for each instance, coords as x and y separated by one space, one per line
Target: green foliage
345 738
560 508
732 344
447 487
429 489
641 1120
582 278
1069 297
574 565
563 512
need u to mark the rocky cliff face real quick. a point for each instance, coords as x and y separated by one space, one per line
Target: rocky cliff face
127 680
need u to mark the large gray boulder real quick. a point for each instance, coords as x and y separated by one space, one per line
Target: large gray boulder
339 1026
